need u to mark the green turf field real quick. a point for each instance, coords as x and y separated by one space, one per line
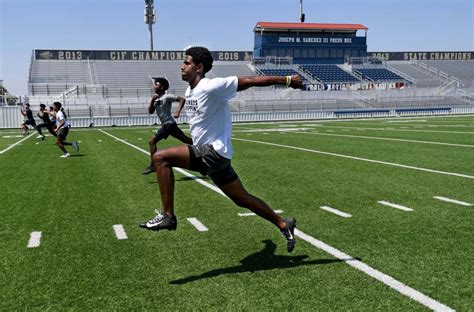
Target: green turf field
422 258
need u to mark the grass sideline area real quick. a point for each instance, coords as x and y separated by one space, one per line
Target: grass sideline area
241 263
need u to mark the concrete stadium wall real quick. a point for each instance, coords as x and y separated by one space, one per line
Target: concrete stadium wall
10 116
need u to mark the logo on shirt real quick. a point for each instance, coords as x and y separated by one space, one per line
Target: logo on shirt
191 106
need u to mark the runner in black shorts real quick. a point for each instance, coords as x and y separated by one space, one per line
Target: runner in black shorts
207 106
44 115
161 102
62 130
28 114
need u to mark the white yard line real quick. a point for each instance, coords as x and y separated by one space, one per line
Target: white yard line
197 224
15 144
249 214
358 158
385 203
388 139
120 232
381 277
393 129
35 240
200 181
336 212
454 201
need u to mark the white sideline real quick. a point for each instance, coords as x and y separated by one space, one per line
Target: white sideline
336 212
197 224
389 139
249 214
358 158
393 129
385 203
382 277
15 144
35 240
120 232
200 181
454 201
387 280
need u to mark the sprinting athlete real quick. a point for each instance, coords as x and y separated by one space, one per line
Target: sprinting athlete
29 120
44 115
161 102
211 127
62 130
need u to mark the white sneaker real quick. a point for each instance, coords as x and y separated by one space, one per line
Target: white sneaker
39 136
65 155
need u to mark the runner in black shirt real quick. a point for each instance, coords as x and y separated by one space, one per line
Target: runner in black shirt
29 120
46 122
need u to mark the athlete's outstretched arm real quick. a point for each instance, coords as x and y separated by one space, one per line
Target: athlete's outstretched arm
181 100
265 81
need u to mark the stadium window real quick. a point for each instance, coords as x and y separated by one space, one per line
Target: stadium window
273 52
304 53
325 53
297 53
289 53
312 53
319 53
281 53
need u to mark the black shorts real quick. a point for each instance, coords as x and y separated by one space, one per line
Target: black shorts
62 133
30 122
167 130
204 159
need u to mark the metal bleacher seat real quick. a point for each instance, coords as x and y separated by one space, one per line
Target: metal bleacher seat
378 74
329 73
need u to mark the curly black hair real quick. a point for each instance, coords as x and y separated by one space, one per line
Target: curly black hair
202 56
163 82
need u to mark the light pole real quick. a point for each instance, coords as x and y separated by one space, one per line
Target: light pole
150 19
302 15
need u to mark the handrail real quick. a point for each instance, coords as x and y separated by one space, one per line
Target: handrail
90 70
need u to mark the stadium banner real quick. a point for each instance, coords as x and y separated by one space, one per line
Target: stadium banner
312 40
424 56
131 55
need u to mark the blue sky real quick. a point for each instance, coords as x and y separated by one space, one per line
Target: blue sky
394 25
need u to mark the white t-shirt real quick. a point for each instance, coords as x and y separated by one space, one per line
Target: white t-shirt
59 117
207 107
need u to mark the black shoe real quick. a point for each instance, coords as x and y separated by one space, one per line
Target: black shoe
160 222
149 170
288 233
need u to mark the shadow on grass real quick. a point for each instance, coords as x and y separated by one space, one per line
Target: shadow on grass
260 261
78 155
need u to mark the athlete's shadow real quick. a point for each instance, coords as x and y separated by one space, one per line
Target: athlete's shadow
259 261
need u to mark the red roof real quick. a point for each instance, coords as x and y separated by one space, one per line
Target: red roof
309 26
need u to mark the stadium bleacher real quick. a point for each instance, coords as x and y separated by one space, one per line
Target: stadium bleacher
329 73
101 87
378 74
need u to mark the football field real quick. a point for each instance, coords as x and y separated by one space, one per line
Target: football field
384 208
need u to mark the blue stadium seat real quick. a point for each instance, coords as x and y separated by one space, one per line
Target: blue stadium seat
378 74
329 73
